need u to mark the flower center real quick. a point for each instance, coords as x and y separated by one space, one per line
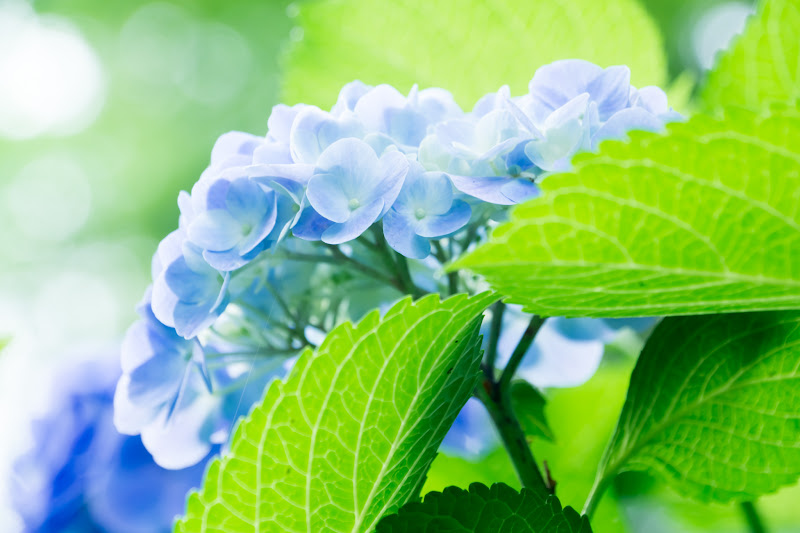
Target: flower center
420 213
354 204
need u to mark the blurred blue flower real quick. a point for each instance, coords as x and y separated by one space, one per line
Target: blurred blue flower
353 188
472 434
83 476
424 209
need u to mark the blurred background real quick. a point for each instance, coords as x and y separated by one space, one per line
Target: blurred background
107 110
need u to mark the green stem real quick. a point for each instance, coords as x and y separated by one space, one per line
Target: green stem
442 256
514 440
753 518
595 494
519 352
495 326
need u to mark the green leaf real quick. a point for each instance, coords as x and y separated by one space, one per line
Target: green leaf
349 435
705 219
469 48
713 407
528 406
762 64
485 510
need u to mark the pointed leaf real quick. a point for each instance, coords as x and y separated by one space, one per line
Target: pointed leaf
349 435
714 408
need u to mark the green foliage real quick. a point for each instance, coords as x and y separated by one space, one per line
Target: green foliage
698 221
713 407
469 48
350 434
485 510
528 406
762 65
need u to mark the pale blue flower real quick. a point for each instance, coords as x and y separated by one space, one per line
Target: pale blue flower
232 221
556 84
164 378
353 188
481 152
349 97
188 293
314 130
563 133
401 120
424 209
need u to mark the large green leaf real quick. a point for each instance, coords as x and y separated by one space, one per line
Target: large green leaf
485 510
469 47
705 219
762 65
348 437
714 407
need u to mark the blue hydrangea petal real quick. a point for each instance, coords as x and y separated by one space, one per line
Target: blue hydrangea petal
437 104
618 126
310 225
183 439
429 191
349 97
234 143
492 101
499 127
559 82
441 225
280 122
346 172
611 90
651 98
314 130
400 232
357 223
371 109
393 171
216 230
290 180
520 189
272 152
488 189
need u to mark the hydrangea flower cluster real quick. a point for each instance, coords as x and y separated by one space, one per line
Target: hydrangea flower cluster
287 235
81 475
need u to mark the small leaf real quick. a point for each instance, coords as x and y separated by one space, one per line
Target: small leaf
469 48
528 406
703 220
348 436
762 65
485 510
714 407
